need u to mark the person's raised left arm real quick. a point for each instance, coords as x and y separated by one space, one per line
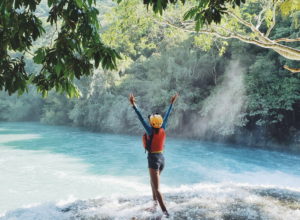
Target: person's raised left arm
166 116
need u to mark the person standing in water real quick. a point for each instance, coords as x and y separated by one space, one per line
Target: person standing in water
154 140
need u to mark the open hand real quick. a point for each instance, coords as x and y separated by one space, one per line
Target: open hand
174 97
132 99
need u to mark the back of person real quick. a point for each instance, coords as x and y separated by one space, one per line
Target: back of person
158 140
154 141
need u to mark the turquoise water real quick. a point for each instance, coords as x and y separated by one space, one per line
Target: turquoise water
59 165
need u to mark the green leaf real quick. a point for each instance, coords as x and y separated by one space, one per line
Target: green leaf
97 59
198 25
190 13
50 2
40 56
79 3
58 68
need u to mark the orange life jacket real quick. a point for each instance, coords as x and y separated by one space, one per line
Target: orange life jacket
156 142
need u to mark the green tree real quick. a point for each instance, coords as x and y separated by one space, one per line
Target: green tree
77 47
203 11
132 30
76 44
56 110
25 108
252 23
273 96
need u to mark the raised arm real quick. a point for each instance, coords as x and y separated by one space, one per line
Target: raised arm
166 116
142 120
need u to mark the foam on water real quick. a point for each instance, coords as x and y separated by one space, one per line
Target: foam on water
12 137
263 177
34 177
200 201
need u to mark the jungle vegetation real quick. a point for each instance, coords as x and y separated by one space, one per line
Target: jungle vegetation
75 47
168 53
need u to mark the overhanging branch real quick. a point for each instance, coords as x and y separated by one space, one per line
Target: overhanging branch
287 40
292 70
249 25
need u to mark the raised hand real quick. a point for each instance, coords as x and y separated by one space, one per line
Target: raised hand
132 99
174 97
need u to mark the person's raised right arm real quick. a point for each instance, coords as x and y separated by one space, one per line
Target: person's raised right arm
144 123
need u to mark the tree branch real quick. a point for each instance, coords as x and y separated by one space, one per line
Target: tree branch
285 51
259 19
27 51
255 37
273 19
251 26
293 70
287 40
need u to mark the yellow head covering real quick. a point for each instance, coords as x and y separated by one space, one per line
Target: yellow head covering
156 120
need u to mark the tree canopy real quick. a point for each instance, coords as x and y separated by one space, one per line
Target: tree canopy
254 23
76 47
74 50
202 11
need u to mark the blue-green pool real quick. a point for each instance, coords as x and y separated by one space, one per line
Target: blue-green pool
58 165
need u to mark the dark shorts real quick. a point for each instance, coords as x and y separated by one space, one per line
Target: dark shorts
156 161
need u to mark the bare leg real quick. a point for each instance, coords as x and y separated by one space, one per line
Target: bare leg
154 175
153 191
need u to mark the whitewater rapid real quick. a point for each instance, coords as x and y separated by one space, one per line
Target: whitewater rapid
200 201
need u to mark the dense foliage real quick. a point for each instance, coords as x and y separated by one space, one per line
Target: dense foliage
202 11
158 61
74 44
75 47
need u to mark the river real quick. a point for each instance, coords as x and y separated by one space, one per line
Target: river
58 172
